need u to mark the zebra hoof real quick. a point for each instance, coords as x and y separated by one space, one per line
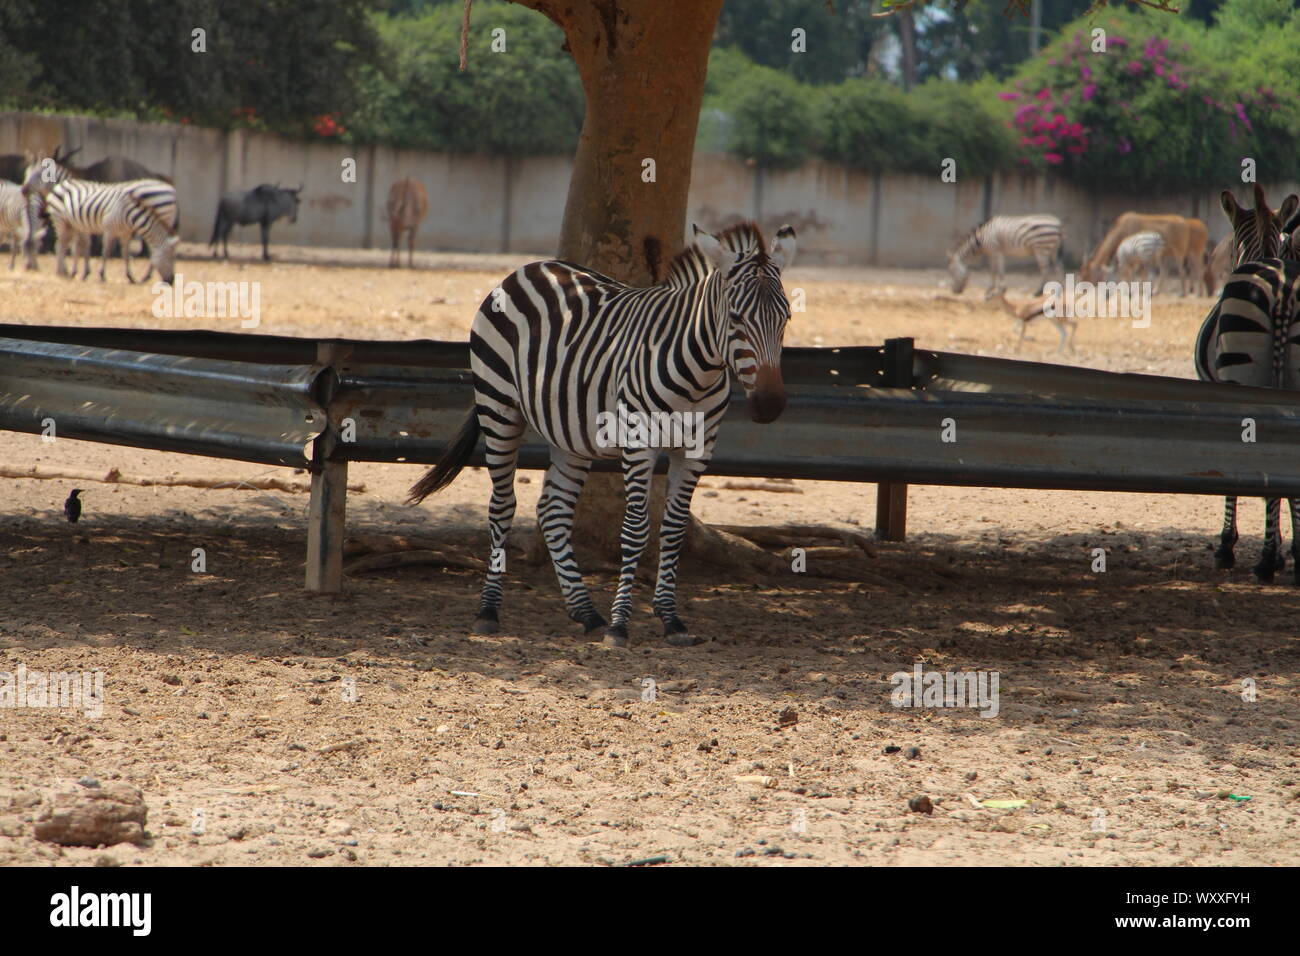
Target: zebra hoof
676 634
1264 573
616 635
1223 561
592 622
487 623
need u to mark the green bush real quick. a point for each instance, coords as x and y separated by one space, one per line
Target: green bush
526 100
1163 109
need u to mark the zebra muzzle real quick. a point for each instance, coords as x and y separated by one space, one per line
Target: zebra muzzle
767 397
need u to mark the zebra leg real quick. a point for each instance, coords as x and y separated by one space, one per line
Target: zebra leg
126 259
502 440
1271 556
560 492
1224 557
683 473
266 238
638 469
997 281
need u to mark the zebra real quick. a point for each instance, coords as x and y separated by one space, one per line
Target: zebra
1247 339
1037 235
408 204
1145 251
563 348
79 208
15 223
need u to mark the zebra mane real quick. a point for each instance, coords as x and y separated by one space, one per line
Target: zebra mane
691 265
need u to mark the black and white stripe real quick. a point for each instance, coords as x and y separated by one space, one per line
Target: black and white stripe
15 222
1039 236
1250 338
1143 251
80 208
556 345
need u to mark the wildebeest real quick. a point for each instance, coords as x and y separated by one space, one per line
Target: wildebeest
263 204
408 204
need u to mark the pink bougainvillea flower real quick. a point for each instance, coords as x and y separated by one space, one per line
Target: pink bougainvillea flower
1088 91
1008 96
1054 158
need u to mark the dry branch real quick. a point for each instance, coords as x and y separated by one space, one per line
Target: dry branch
798 535
115 477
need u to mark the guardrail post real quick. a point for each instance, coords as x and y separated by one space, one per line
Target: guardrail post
891 496
329 498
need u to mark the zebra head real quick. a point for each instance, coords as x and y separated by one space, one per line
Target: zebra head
44 171
958 272
757 307
1257 232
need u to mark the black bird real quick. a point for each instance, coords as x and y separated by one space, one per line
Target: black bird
72 507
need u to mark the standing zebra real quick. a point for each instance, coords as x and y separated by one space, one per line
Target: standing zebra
564 349
1247 339
79 208
1145 251
1038 236
15 223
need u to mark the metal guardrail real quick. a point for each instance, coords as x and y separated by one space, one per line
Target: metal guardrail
879 414
251 412
880 434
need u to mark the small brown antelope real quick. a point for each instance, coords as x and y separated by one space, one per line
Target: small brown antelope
1035 309
408 204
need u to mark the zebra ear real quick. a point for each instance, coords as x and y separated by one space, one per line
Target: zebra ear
782 253
1288 208
721 257
1229 203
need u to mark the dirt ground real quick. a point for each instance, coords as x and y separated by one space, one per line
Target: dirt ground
1121 720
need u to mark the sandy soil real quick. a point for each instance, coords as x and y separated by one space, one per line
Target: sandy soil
1121 718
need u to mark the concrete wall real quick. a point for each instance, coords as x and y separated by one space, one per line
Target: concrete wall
493 204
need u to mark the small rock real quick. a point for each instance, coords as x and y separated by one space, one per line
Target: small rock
913 753
88 782
921 804
98 816
320 853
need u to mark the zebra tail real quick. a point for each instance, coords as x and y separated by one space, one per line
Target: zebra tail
455 458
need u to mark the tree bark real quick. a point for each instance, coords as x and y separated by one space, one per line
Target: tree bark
642 64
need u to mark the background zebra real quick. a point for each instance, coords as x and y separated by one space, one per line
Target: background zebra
560 347
1144 251
1038 236
1248 339
79 209
15 222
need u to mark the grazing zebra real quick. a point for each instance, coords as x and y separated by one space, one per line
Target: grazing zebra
78 209
564 349
1038 236
408 204
15 223
1247 339
1145 251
